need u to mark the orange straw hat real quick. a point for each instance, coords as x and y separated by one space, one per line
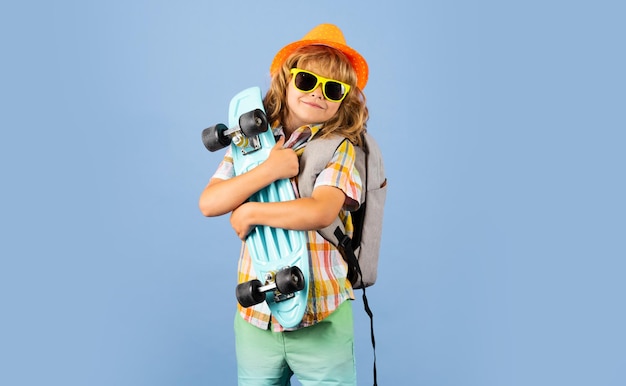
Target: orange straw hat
326 35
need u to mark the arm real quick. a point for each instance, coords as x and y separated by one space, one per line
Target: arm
222 196
315 212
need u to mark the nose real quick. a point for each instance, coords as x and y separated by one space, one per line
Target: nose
317 92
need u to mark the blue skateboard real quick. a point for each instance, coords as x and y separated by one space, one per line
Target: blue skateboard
279 256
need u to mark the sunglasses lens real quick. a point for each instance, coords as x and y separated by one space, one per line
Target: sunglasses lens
334 90
305 81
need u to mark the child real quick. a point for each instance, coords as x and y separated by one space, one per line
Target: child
315 91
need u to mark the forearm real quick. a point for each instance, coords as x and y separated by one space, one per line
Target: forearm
310 213
299 214
222 196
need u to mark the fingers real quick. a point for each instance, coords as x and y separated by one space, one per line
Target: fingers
243 233
283 162
242 236
280 142
239 222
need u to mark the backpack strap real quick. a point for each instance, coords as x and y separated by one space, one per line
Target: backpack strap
345 246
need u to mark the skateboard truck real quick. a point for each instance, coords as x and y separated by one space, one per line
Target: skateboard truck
284 283
245 135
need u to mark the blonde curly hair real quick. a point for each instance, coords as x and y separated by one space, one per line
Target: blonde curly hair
350 121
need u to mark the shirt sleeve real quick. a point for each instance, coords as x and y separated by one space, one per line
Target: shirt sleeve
342 173
225 169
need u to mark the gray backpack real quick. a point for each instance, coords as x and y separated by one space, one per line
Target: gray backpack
360 252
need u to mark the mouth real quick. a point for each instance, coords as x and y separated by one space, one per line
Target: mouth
312 104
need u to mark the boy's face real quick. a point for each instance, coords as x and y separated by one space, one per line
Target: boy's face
307 108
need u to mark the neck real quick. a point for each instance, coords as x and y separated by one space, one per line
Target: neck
288 131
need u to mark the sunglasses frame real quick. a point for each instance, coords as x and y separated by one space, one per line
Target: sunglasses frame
320 80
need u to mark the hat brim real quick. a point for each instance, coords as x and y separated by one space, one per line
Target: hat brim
358 62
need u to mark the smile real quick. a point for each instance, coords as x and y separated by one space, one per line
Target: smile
312 104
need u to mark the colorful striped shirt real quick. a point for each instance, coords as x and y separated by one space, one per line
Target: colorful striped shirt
329 286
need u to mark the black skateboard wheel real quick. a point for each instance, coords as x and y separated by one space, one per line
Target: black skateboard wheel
248 293
213 137
253 123
289 280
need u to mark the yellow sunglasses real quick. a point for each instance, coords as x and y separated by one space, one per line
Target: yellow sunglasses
307 81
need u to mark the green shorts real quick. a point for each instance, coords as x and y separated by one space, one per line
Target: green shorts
322 354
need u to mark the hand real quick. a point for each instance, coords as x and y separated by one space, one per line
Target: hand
283 162
240 221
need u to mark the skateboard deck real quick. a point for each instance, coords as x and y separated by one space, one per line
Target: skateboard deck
279 256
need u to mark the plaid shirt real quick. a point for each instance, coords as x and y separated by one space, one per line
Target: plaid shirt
328 286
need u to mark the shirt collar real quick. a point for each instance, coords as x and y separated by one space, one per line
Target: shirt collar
300 137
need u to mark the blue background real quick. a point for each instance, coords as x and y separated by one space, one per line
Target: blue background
502 125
